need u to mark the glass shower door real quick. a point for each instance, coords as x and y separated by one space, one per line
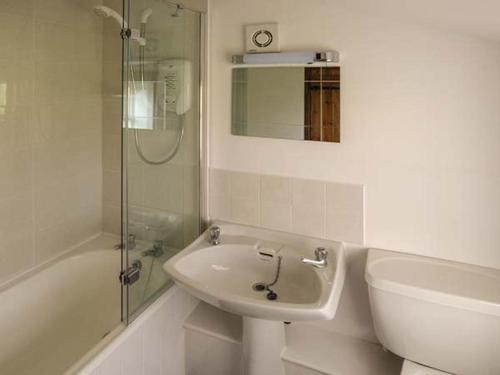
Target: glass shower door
161 143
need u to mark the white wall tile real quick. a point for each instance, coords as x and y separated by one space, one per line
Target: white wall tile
191 187
220 182
220 207
136 189
346 198
18 80
17 251
245 211
16 131
15 172
55 42
19 8
68 12
245 186
276 189
111 114
345 226
111 83
111 219
345 212
112 187
235 196
276 216
308 193
163 187
19 41
20 213
111 152
51 204
308 220
49 243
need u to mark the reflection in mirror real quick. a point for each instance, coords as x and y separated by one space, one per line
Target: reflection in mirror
301 103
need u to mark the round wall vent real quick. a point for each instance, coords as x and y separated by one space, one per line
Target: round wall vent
262 38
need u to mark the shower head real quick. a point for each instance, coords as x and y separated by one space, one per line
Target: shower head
104 11
146 14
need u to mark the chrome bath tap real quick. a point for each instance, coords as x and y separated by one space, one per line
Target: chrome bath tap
131 243
320 262
214 236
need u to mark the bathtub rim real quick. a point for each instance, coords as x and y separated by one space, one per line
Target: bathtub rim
77 249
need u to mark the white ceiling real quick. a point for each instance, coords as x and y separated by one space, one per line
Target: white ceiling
479 18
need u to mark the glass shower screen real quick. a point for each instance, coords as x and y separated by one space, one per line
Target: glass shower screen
160 143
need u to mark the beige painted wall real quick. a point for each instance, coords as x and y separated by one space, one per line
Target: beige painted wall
50 129
420 124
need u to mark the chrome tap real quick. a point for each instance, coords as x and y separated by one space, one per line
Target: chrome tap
320 262
131 243
214 236
157 250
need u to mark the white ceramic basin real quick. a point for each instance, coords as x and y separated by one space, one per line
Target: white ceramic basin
224 275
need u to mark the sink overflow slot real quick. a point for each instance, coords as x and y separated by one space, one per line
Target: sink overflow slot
266 255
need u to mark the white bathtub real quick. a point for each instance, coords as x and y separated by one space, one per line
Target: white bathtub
49 320
57 317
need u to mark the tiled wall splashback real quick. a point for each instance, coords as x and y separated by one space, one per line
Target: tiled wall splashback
314 208
50 129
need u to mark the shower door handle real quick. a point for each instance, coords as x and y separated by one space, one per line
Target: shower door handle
131 274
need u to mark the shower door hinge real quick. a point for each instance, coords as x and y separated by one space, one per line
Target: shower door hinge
125 33
131 274
133 34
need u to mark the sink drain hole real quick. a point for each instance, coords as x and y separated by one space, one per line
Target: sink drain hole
259 287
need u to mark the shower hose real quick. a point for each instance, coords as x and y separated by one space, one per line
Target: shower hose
137 137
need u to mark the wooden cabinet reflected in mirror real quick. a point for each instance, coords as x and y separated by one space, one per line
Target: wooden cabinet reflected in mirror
322 104
290 102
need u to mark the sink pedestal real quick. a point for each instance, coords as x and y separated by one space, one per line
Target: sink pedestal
263 343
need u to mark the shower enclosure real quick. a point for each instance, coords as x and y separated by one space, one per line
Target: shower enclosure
100 165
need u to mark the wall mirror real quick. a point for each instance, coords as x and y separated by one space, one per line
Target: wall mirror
290 102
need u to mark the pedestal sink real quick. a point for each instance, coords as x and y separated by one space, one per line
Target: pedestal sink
260 275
